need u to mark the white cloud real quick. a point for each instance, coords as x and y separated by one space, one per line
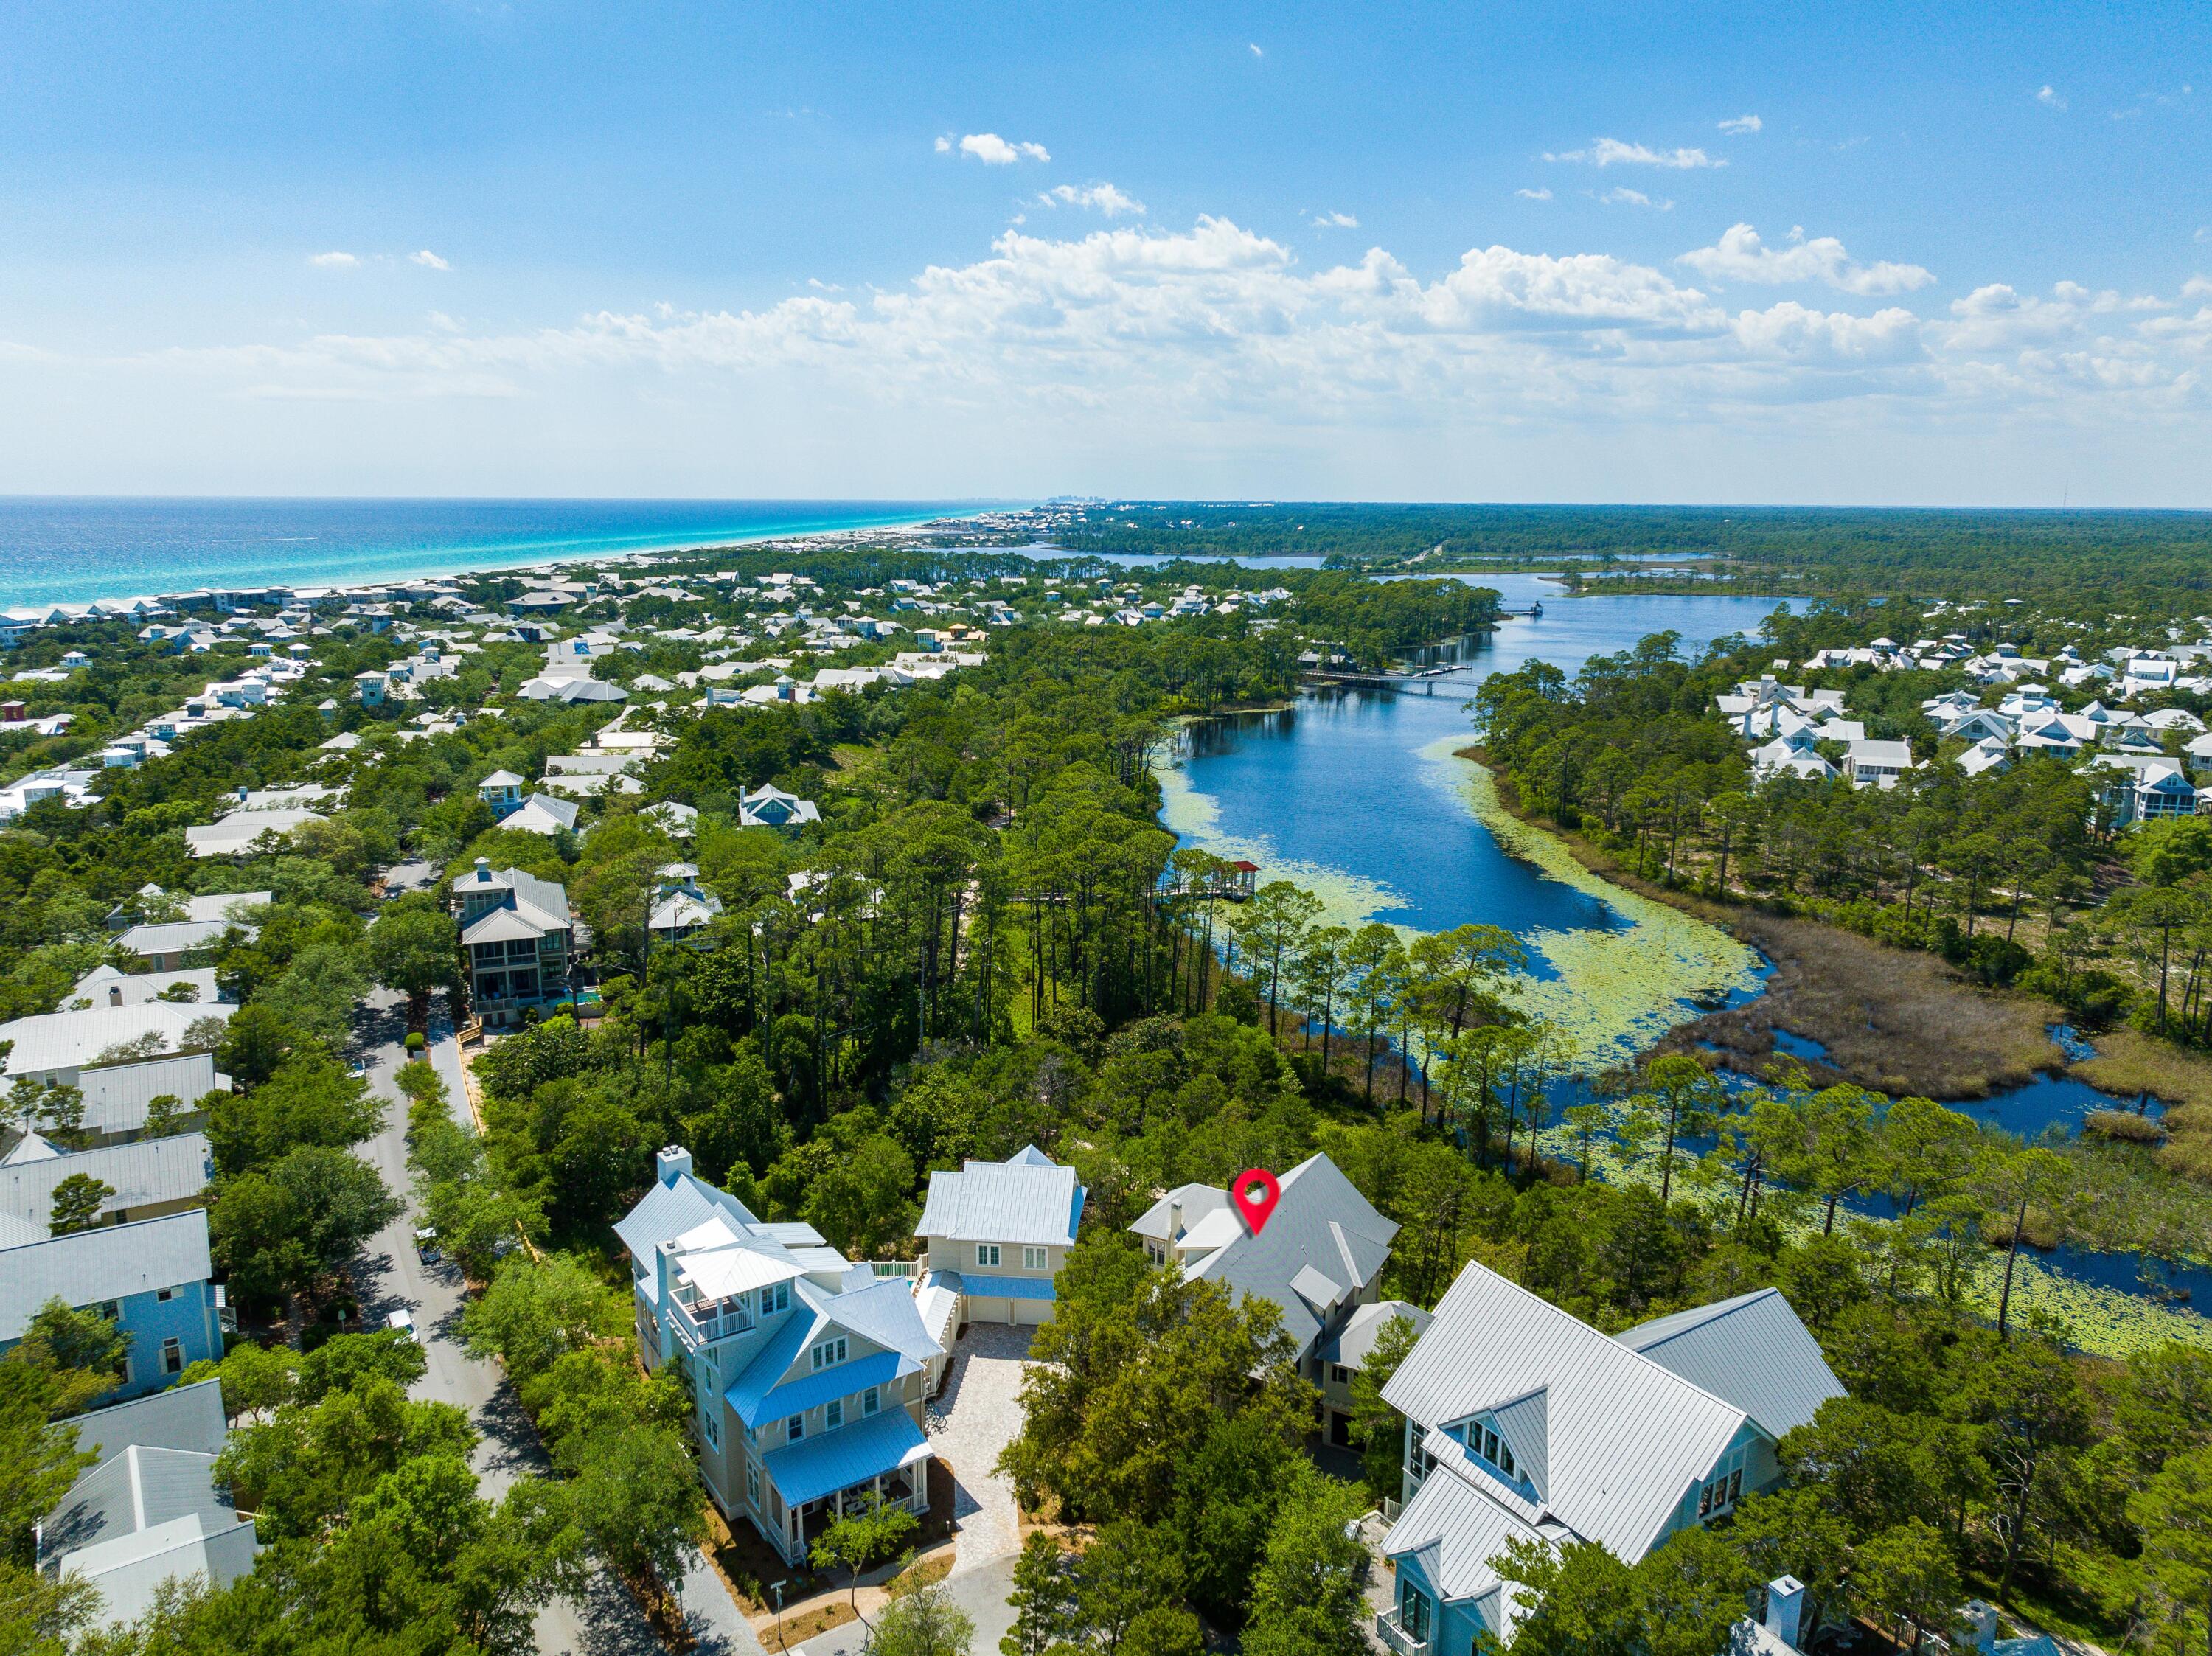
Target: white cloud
1534 195
992 150
1741 255
333 261
430 261
1334 222
1214 346
1612 152
944 144
1738 125
1256 50
1623 196
1102 197
2050 98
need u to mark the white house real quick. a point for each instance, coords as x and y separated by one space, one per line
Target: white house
1525 1423
1877 764
997 1232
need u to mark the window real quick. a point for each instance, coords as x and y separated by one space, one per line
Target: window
714 1436
111 1310
834 1415
163 1296
1413 1612
870 1401
1339 1374
782 1299
795 1428
1035 1258
752 1483
829 1352
173 1357
987 1253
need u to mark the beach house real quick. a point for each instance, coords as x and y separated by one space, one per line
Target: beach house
997 1233
518 932
805 1371
1317 1259
1524 1423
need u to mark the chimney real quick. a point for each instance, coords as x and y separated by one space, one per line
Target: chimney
661 1256
1174 1223
670 1162
484 868
115 994
241 793
1981 1617
1785 1603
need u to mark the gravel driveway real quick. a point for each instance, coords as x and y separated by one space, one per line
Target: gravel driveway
979 1415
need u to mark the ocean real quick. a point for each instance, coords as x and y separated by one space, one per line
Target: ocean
61 549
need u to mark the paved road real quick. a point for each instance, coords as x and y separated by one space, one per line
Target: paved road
607 1622
981 1592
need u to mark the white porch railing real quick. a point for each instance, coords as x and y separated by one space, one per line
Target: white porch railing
1392 1633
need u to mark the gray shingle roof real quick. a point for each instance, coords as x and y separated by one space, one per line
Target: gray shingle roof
1750 1350
1320 1224
108 1263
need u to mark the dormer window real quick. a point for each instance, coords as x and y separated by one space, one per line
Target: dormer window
829 1352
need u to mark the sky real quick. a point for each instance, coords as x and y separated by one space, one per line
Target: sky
1948 255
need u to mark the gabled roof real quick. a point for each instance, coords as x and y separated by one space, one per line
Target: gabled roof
1626 1437
106 1263
1750 1350
1017 1201
883 1315
146 1172
178 1417
1320 1222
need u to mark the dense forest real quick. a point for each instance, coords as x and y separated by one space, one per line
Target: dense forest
2157 562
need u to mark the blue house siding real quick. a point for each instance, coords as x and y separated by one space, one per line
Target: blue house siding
190 1317
1454 1628
153 1278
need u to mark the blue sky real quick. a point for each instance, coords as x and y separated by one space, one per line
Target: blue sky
1946 254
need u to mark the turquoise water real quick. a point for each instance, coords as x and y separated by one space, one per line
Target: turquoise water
62 551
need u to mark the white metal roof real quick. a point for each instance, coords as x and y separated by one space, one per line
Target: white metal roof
1750 1350
1016 1202
1626 1437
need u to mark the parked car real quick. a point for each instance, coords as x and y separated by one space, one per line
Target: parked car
404 1321
425 1245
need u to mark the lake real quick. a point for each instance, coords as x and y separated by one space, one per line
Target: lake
1358 795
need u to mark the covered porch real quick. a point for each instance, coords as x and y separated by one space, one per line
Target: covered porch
884 1458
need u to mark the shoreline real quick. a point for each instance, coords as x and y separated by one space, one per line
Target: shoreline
1869 1006
465 562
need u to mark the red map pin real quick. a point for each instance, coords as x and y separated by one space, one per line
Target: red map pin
1256 1194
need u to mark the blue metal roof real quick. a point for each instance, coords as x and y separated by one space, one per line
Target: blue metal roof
1007 1287
816 1466
840 1379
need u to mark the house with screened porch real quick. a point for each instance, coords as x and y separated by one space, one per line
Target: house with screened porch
806 1370
1524 1423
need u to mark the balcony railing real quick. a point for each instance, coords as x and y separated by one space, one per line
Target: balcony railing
718 1320
899 1270
1389 1629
